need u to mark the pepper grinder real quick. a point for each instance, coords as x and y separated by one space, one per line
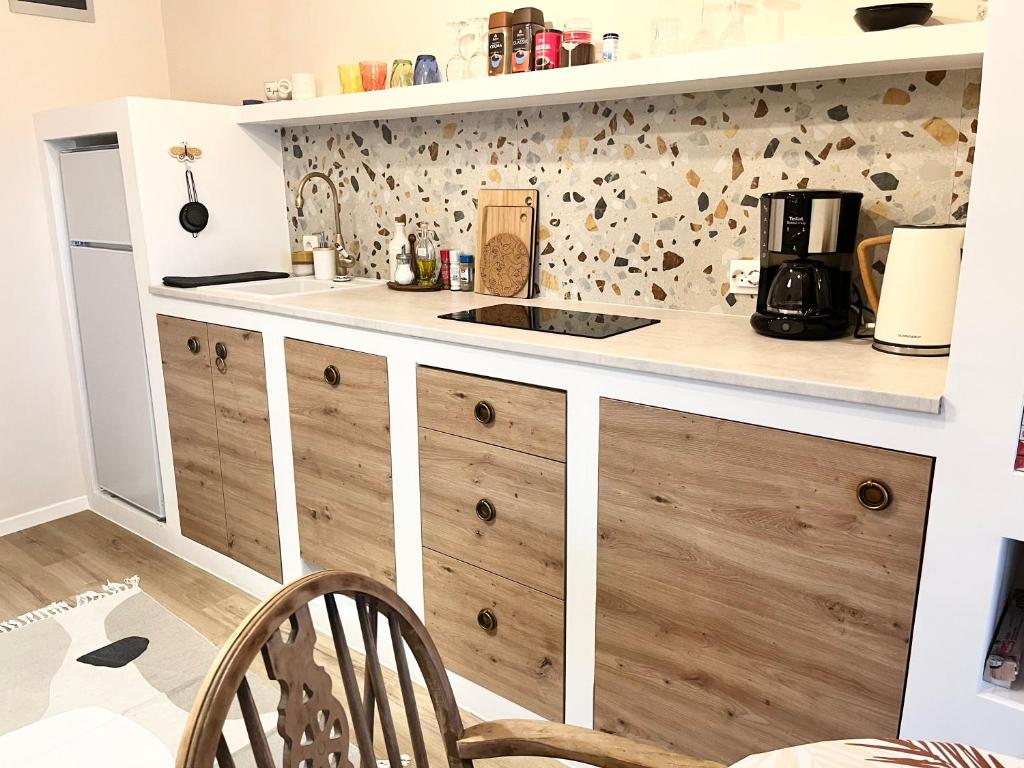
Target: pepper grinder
412 254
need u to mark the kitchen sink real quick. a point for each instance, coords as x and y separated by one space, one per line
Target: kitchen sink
287 287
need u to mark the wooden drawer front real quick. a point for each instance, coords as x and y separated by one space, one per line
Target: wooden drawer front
341 446
193 426
522 658
525 540
746 601
246 459
526 418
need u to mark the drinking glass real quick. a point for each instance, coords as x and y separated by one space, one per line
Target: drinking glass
350 78
478 59
426 70
373 75
735 34
457 67
576 32
705 37
401 73
665 35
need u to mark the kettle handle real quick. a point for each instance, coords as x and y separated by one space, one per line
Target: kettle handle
864 259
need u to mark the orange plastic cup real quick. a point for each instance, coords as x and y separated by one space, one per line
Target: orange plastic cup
374 75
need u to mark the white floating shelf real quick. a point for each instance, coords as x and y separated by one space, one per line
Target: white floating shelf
912 49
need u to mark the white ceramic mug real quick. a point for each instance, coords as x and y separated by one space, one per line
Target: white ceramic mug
284 89
303 85
270 90
324 263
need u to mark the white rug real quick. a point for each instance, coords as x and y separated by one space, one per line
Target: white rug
108 681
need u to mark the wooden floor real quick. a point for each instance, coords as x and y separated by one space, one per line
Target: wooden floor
57 560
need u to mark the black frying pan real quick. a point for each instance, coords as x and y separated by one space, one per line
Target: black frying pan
193 216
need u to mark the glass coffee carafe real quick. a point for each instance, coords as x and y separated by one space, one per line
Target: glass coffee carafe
801 289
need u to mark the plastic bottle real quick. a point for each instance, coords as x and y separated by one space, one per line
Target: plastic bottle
456 271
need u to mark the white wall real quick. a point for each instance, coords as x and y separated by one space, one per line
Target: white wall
977 498
223 51
49 63
248 228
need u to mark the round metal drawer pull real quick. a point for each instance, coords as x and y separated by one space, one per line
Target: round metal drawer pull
485 510
873 495
332 376
221 349
484 412
487 620
193 345
222 366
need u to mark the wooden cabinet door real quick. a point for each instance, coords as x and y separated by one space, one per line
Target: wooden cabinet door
185 358
746 600
341 446
521 656
497 509
517 416
246 460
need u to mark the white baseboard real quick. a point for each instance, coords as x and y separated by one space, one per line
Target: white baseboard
43 515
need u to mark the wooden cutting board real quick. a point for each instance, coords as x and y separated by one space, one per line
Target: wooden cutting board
506 242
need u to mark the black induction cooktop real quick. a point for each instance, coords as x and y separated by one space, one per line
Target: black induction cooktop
565 321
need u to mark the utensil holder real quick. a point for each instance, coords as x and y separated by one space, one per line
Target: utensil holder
324 263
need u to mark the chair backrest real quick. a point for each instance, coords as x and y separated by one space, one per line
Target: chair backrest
312 720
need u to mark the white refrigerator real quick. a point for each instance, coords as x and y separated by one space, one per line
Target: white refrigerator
110 328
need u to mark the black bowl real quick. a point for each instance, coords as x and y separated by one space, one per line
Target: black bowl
875 18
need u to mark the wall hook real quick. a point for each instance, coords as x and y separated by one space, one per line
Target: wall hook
183 153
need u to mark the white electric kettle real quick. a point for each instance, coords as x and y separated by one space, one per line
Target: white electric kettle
914 315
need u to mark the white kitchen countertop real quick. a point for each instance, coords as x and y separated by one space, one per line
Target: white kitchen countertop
692 345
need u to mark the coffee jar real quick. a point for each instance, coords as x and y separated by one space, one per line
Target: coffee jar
547 48
499 41
526 23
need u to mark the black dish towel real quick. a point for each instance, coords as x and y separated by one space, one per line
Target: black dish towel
203 280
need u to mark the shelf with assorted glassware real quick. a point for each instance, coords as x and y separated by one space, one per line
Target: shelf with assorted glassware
542 66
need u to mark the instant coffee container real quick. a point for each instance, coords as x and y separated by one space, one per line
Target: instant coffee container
526 23
547 48
499 43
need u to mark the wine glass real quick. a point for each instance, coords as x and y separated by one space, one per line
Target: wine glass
576 32
457 67
735 34
665 35
705 37
478 59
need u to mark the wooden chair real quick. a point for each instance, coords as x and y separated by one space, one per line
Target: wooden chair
312 722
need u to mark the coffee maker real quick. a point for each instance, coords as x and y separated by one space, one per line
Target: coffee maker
808 240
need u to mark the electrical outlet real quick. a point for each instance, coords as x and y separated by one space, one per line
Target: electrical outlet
744 275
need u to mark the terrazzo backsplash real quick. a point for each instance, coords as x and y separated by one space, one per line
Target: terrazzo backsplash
645 201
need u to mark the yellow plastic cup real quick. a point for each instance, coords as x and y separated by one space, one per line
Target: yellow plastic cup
350 78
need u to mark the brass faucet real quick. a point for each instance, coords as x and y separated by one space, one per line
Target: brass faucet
344 261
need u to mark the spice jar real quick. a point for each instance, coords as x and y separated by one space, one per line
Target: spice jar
466 272
403 272
547 48
610 47
499 41
526 23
